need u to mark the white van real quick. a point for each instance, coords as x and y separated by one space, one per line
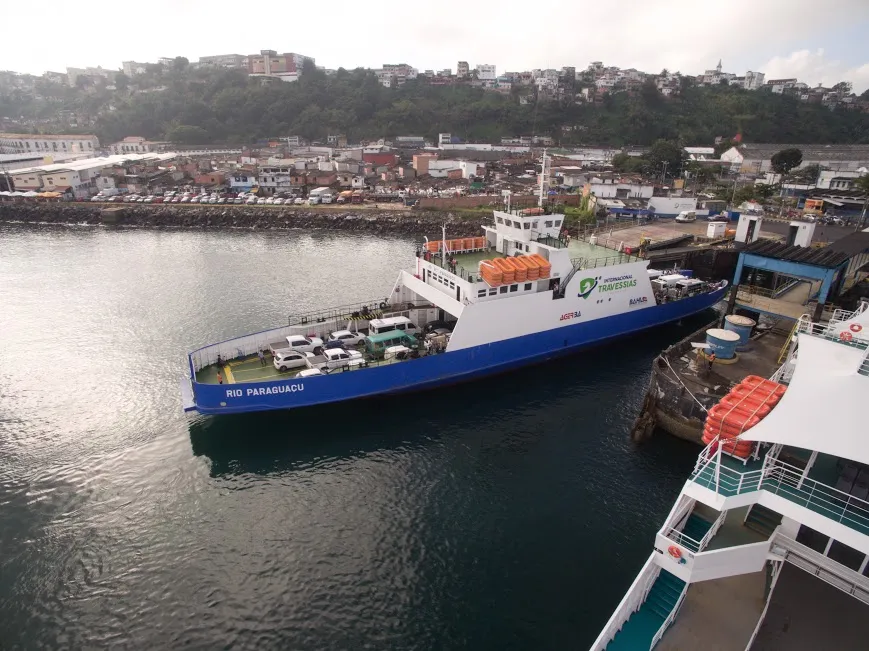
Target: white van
379 326
686 216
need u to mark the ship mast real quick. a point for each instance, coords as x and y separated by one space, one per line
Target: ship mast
543 179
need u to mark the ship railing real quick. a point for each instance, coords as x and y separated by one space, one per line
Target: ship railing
833 332
621 258
864 365
372 309
630 603
821 566
790 482
554 242
670 618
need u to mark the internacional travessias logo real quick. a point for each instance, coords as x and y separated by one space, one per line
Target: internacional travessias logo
618 283
587 286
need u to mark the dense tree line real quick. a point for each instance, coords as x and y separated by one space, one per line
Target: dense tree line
198 106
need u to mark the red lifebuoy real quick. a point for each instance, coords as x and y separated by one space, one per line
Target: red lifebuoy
856 327
845 335
675 552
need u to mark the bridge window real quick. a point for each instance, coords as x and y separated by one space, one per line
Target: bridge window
526 226
513 288
527 287
500 221
502 289
492 292
547 224
558 222
481 293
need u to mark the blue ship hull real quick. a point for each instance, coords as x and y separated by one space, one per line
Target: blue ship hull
446 368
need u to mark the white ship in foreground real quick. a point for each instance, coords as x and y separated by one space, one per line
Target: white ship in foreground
767 545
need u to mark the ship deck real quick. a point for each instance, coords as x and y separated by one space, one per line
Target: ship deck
249 369
594 255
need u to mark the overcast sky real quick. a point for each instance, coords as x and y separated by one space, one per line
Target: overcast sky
818 42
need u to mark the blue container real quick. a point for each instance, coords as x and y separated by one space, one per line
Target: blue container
742 326
733 215
688 273
722 342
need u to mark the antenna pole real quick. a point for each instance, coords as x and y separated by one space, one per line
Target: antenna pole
542 179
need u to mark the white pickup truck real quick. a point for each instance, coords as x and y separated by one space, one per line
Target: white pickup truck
298 343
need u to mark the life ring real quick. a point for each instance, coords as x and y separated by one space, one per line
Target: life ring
675 552
856 327
383 305
845 336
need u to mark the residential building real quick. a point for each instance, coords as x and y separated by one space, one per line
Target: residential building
486 71
224 61
421 162
210 178
463 70
753 80
133 68
92 74
268 63
136 145
242 181
276 176
780 86
56 77
17 143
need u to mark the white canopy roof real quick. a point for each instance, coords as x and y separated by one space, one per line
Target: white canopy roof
824 408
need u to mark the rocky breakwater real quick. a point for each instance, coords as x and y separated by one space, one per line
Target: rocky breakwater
241 217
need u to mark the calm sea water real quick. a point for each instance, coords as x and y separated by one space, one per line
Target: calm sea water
507 514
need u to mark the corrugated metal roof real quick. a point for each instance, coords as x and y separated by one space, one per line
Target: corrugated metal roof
852 244
824 257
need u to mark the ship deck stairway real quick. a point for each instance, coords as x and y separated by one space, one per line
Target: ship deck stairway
645 624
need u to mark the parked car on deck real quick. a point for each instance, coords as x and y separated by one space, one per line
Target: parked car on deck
347 337
287 359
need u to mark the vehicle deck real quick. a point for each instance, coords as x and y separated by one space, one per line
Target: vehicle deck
249 369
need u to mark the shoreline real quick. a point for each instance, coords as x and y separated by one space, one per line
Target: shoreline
368 220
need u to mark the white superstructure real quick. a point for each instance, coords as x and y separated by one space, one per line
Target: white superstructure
741 527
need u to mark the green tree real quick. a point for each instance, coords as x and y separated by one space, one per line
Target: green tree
186 134
180 63
786 160
807 174
122 81
665 156
842 87
862 183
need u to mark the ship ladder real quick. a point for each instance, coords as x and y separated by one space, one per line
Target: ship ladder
785 350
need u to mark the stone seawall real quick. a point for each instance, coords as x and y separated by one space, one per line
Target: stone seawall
242 217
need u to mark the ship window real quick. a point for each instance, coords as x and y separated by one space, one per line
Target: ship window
503 289
481 293
513 288
527 248
452 285
526 226
535 224
492 292
527 287
547 224
500 221
558 222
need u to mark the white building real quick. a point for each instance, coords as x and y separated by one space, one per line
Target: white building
19 143
135 145
486 71
132 68
462 69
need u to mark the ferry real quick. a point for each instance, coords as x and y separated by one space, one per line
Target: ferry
767 544
520 293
